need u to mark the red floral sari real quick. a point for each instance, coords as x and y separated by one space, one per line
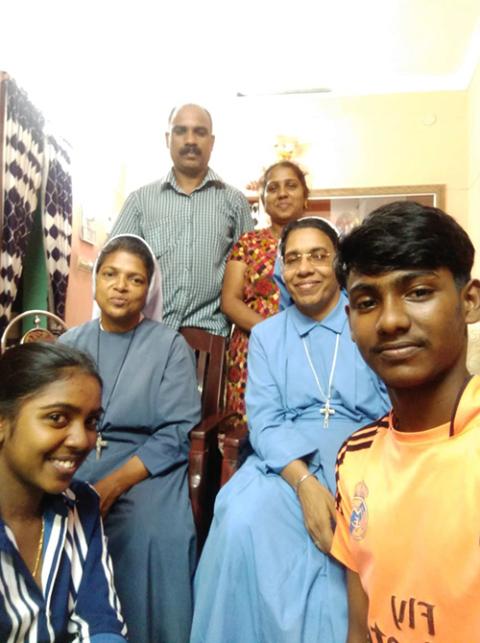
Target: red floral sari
257 250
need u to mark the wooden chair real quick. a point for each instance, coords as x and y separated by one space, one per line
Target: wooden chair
205 459
56 327
236 436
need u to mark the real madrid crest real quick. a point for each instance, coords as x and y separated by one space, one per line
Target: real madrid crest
359 516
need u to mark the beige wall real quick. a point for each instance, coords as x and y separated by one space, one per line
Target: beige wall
79 298
473 120
365 141
79 294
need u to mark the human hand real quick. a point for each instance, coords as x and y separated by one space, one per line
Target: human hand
119 481
318 506
109 491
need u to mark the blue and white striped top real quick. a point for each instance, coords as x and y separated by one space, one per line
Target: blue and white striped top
78 601
191 235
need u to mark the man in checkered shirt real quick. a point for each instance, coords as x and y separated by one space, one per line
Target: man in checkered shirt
191 219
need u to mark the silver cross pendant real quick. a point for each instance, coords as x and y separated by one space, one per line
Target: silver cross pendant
99 445
327 411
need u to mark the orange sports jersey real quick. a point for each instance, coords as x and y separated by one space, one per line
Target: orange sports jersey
408 522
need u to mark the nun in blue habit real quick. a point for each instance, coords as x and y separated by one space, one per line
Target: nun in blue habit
139 468
264 575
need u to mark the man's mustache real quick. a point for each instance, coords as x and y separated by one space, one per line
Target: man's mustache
190 149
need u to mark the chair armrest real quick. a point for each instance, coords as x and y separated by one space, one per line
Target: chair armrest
235 434
206 426
204 470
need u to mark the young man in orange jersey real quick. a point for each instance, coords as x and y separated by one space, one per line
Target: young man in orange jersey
408 486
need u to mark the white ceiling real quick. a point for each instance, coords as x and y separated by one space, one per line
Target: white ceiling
82 61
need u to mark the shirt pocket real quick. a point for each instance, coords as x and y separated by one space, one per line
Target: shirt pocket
164 234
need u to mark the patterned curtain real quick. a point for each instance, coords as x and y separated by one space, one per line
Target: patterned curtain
23 156
57 222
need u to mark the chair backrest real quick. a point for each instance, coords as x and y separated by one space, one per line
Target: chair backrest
35 334
205 459
210 357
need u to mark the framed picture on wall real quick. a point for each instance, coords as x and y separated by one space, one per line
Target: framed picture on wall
347 207
88 232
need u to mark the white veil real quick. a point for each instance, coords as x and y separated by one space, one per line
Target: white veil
153 308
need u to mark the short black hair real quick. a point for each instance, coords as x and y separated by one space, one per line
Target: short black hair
308 222
27 368
129 244
403 235
300 174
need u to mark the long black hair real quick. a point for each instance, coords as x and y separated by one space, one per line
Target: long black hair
28 368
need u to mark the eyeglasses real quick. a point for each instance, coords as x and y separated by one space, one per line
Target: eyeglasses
315 257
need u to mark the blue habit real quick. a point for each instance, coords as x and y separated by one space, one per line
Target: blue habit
150 529
260 577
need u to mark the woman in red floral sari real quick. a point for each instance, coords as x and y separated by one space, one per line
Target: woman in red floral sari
249 293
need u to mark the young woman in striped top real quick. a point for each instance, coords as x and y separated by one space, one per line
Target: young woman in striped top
55 573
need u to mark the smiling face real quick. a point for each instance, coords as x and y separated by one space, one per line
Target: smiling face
51 435
410 325
284 196
310 279
190 140
121 289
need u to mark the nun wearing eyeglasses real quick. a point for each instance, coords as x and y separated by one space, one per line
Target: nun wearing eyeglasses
139 467
265 573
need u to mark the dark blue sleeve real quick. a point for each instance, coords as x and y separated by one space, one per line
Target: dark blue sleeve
179 401
96 613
